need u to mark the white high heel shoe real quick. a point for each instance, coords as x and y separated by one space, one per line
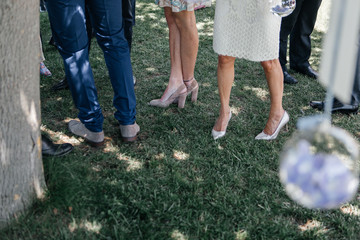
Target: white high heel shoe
220 134
263 136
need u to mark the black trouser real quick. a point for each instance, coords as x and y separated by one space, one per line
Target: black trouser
299 25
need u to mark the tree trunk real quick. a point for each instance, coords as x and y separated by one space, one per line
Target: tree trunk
21 171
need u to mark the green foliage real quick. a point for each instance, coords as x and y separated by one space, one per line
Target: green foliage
176 182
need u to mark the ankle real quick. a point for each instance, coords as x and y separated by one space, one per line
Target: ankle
225 111
189 81
273 122
277 115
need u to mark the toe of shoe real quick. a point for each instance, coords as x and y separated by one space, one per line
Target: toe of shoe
317 104
73 123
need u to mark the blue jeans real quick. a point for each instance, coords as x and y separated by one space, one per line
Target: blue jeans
67 19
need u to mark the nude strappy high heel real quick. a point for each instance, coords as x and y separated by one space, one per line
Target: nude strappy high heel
193 88
180 95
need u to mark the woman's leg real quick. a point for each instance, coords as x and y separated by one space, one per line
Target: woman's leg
189 41
225 80
274 77
176 76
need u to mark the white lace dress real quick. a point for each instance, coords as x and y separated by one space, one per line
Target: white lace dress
246 29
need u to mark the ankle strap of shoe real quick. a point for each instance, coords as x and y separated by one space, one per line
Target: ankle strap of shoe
186 81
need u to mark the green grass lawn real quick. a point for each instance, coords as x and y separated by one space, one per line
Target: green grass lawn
176 182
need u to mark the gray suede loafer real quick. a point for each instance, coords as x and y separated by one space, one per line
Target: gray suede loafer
79 129
129 132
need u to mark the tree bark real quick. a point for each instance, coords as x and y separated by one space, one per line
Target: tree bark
21 171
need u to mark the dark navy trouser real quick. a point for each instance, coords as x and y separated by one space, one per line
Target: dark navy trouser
67 19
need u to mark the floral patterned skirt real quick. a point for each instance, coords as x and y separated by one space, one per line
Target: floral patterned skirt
183 5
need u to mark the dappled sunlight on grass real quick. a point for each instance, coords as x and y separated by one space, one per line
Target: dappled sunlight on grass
67 120
205 28
96 168
175 181
147 7
241 235
235 110
150 69
206 85
177 235
132 164
151 16
150 10
287 94
350 210
160 156
150 13
110 148
313 225
199 179
63 138
322 21
220 147
259 92
306 107
94 226
180 155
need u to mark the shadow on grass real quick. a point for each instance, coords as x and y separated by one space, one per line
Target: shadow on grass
175 182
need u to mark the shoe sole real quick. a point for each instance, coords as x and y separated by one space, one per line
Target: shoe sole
343 111
290 83
95 144
346 111
58 155
129 139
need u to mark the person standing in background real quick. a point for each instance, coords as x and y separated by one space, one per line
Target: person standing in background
183 46
340 107
67 19
299 25
128 10
248 30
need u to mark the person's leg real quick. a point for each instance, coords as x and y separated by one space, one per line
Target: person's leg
89 28
42 6
225 76
67 20
300 41
189 41
176 74
274 78
108 23
338 106
63 84
43 69
129 22
128 12
287 25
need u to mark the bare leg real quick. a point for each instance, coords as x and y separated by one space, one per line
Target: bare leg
225 80
275 81
189 41
176 76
